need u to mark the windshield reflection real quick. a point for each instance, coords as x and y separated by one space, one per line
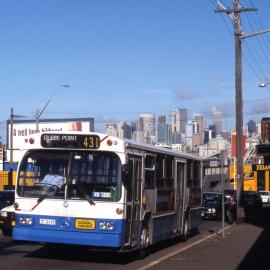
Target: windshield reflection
45 173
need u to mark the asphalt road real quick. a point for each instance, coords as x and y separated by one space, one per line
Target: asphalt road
28 256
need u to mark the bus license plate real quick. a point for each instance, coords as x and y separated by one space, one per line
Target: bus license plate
85 224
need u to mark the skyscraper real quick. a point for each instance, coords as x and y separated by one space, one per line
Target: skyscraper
124 130
164 130
146 128
179 120
217 119
198 126
111 129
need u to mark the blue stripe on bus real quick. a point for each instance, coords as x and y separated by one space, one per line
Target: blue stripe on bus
163 227
62 230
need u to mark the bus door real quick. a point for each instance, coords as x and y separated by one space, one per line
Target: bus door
133 185
180 191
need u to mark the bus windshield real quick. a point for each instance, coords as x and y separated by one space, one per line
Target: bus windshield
52 174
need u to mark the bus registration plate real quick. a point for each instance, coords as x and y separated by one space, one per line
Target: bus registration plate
85 224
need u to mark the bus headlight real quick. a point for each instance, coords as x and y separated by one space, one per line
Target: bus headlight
4 214
108 226
26 220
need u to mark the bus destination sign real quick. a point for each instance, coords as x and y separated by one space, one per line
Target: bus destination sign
70 141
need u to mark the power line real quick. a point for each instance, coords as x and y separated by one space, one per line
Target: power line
264 56
249 63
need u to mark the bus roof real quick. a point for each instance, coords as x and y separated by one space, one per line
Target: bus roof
34 142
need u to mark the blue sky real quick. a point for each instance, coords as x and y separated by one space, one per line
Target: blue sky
125 57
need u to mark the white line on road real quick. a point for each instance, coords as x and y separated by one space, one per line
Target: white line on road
153 263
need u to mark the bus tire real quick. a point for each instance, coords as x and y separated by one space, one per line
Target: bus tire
186 228
144 238
229 216
144 242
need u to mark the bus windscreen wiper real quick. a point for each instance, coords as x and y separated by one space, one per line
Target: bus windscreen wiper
82 190
44 196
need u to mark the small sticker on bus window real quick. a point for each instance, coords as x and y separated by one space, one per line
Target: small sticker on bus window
101 195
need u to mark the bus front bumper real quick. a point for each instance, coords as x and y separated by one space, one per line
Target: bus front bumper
93 239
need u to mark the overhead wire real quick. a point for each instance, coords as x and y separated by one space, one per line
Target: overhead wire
249 62
261 53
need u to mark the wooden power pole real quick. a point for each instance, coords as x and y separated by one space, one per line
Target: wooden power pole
234 14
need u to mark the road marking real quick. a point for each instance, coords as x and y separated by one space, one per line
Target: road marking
153 263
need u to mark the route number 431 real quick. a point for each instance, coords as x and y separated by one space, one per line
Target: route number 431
91 142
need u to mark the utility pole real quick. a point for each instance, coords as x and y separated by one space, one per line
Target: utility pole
10 176
238 110
11 146
222 162
234 14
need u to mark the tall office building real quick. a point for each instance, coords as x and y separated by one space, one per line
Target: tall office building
146 128
164 130
133 128
199 124
213 128
124 130
179 120
217 119
111 129
252 128
209 133
189 134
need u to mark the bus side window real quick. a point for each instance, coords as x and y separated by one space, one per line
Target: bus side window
149 169
159 171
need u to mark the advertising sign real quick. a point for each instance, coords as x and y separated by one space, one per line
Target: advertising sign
1 158
23 129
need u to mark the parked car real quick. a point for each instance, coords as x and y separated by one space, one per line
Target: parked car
7 210
265 195
252 203
7 219
211 205
6 198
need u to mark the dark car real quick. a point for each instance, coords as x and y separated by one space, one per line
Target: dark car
6 211
252 203
6 198
6 219
211 205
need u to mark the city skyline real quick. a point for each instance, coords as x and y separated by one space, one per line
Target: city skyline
170 119
125 58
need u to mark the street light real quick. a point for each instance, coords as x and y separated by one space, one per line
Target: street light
38 114
264 84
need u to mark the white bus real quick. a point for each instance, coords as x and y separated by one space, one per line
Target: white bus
104 192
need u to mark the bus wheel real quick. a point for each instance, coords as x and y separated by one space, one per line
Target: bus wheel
144 239
144 243
229 217
186 228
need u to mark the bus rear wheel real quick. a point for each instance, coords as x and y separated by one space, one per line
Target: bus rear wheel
144 239
186 228
144 243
